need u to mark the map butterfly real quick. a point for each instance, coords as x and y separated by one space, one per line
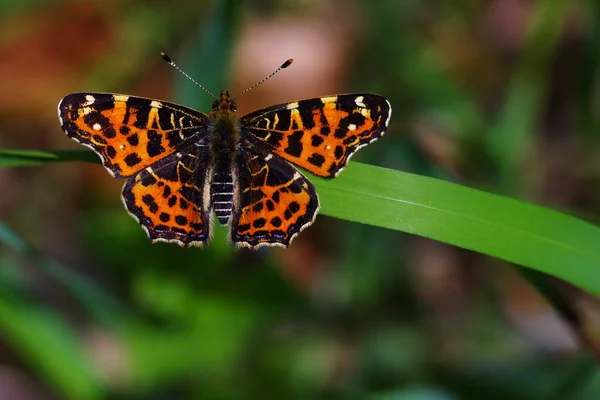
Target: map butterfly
181 164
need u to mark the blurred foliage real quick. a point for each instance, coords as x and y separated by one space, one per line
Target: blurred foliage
500 95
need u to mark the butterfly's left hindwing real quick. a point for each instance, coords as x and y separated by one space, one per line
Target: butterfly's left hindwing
321 134
128 133
171 200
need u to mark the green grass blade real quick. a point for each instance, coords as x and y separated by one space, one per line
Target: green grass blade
29 158
523 233
515 231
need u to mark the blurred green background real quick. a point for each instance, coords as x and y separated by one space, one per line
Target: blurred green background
501 95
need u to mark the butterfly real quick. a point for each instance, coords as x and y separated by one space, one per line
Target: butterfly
180 164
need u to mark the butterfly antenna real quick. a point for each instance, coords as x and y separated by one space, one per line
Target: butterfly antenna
172 64
284 65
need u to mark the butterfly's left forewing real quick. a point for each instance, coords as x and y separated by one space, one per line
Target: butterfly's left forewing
321 134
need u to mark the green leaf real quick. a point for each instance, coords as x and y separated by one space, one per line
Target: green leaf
515 231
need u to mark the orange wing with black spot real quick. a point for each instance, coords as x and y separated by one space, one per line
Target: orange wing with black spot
320 135
273 201
128 133
171 199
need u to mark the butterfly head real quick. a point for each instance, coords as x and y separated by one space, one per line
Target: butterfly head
224 103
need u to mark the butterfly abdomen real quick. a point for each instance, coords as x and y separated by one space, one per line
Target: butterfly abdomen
224 143
222 196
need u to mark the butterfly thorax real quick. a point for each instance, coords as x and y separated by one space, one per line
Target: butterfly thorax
224 143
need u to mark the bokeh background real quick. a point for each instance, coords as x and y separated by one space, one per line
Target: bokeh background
501 95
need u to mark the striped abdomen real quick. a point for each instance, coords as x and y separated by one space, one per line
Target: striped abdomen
222 195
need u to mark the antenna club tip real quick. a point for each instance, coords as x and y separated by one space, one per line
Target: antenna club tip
165 57
287 63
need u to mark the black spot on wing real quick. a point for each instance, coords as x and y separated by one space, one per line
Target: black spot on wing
149 201
276 222
111 152
270 205
181 220
132 159
154 147
294 207
148 180
164 217
294 147
142 114
259 223
166 192
316 159
316 140
184 205
133 140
